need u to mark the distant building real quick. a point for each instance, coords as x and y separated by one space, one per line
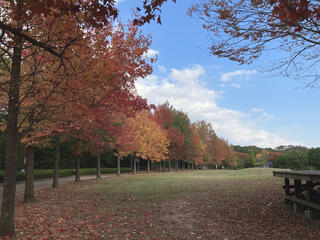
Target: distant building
268 164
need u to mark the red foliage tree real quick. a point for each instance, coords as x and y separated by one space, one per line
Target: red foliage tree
19 30
163 115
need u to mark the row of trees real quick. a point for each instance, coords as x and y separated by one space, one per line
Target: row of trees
159 134
291 157
295 159
166 134
67 70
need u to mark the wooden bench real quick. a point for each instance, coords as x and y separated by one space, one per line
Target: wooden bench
304 196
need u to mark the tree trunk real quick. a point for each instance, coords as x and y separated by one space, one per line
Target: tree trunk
183 165
29 186
77 179
177 165
131 162
99 166
55 182
148 169
118 165
9 186
160 168
134 165
169 165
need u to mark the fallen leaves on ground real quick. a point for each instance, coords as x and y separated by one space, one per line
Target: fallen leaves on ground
210 208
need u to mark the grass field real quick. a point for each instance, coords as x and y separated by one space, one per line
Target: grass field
212 204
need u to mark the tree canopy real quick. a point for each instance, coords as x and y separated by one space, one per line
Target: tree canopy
243 30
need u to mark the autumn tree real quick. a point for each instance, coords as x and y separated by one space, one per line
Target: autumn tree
153 140
127 142
262 157
243 30
144 138
208 138
182 123
231 158
164 116
87 105
17 32
242 159
198 147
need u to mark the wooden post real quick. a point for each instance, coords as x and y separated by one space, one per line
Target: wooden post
297 187
309 190
287 186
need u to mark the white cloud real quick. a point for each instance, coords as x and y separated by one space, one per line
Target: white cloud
162 69
235 85
257 110
226 77
151 53
184 90
263 114
266 116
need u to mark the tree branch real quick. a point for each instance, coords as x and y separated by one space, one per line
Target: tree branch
31 40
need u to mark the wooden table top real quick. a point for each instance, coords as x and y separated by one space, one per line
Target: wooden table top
309 175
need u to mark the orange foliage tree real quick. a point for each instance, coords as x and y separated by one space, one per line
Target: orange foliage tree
164 116
198 147
144 139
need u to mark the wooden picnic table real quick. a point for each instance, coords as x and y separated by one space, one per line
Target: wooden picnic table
305 195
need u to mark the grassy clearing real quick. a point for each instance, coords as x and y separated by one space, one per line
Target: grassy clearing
212 204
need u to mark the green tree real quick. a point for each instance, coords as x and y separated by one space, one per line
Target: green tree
292 159
314 157
252 159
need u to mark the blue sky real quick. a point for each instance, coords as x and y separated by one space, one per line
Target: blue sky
245 104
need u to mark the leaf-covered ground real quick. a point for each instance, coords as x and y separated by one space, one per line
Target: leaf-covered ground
221 204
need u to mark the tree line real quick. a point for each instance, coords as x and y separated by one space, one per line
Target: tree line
288 157
66 66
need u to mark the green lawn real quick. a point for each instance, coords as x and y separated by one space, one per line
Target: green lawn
212 204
